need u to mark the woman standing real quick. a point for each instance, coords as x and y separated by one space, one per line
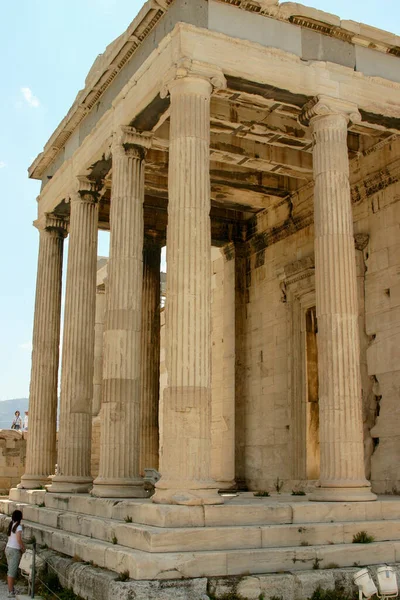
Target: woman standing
14 549
17 422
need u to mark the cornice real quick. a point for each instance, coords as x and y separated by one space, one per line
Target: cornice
103 72
323 22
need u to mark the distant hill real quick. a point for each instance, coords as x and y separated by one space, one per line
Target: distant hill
8 408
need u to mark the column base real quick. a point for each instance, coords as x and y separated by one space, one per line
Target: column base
194 494
119 488
33 482
62 484
343 494
226 486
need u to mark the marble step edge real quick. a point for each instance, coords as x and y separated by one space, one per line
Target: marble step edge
231 513
175 565
155 539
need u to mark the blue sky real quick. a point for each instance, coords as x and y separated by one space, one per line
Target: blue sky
47 48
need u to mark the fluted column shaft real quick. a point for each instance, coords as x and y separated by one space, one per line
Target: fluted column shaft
98 350
74 438
41 445
185 453
342 475
150 364
120 414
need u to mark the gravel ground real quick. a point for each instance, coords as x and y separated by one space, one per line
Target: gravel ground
4 589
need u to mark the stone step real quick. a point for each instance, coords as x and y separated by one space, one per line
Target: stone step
242 510
175 565
157 539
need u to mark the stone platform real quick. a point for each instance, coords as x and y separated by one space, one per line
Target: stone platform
246 535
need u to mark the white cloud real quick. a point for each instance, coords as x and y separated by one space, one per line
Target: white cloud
2 164
26 346
29 97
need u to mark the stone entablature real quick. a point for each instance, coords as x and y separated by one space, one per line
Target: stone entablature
108 67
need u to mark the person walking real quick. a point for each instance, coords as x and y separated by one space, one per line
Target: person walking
17 422
14 550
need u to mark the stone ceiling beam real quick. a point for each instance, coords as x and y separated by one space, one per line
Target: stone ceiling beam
261 157
241 152
265 125
236 198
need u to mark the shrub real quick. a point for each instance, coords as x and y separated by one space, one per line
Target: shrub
261 494
316 563
321 594
362 537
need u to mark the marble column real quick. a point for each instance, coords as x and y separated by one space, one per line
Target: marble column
41 444
98 349
119 474
223 367
150 364
97 376
342 475
75 427
185 451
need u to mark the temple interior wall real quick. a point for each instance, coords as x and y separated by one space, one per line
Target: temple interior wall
267 426
380 217
265 446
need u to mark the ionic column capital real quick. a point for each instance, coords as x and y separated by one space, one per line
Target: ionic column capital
322 107
86 190
193 70
126 141
52 222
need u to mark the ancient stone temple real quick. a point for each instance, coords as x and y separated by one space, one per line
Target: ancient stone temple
259 143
